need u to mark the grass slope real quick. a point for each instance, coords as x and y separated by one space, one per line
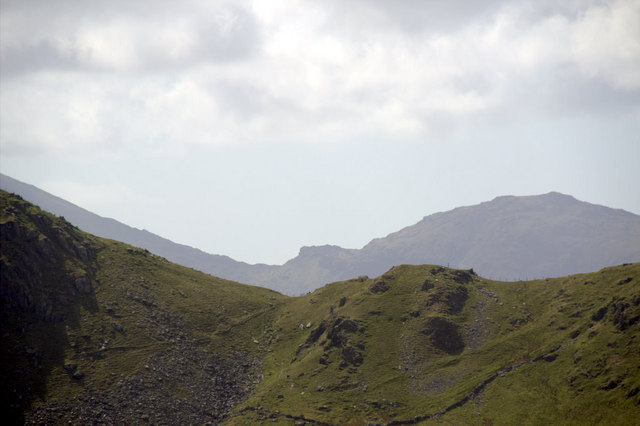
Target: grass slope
96 331
426 343
118 334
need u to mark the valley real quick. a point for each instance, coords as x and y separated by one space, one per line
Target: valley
97 331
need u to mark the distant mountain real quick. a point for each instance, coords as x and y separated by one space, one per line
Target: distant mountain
508 238
513 238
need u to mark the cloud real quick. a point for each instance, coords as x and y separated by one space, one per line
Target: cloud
125 37
168 77
606 42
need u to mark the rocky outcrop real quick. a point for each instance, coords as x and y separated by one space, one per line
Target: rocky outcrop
444 335
206 395
45 262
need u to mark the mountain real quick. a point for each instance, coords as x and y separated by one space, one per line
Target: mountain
97 331
514 238
508 238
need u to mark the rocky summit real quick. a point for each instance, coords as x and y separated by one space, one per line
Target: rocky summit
97 331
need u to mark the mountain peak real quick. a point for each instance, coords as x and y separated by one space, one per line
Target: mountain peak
320 250
553 195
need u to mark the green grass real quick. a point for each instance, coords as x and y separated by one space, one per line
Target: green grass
424 343
404 376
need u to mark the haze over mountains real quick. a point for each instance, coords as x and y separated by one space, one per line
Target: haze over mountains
508 238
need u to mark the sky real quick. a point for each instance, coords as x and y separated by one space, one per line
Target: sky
253 128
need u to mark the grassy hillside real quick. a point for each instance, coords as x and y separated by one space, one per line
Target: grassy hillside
440 345
98 331
95 331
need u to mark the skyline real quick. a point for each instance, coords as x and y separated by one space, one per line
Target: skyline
251 129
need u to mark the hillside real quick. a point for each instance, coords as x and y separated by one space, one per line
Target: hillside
427 343
508 238
96 331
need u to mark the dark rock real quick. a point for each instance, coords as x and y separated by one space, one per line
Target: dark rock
621 315
352 356
71 367
435 271
336 333
83 284
316 333
427 285
463 277
451 298
599 314
444 335
379 287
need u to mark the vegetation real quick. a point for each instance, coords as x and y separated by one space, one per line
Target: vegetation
557 349
141 338
98 331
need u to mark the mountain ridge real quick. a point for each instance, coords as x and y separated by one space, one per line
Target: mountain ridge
97 331
507 238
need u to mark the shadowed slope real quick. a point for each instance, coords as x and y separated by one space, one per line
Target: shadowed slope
95 331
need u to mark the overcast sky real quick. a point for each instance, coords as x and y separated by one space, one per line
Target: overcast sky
252 128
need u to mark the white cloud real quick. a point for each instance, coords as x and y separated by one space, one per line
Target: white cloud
167 78
606 42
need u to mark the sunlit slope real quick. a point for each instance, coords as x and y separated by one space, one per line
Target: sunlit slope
426 343
99 331
96 331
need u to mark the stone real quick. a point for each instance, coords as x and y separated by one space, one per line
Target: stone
379 287
427 285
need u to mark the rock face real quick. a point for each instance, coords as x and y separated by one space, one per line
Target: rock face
339 338
43 267
444 335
